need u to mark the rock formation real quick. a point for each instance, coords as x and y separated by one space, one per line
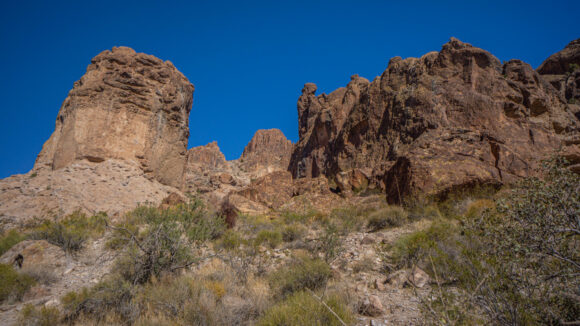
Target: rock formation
562 70
129 106
204 164
120 139
448 119
208 172
268 151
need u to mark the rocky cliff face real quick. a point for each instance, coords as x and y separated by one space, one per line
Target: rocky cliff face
208 172
562 70
120 139
268 151
448 119
129 106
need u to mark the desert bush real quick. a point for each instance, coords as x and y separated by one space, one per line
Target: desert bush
272 238
43 316
391 216
157 250
516 263
231 240
329 243
70 232
42 274
8 239
302 273
13 285
302 308
365 264
423 210
351 218
292 233
306 216
110 297
195 220
416 248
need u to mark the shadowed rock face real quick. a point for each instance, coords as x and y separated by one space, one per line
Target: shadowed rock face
562 70
448 119
130 106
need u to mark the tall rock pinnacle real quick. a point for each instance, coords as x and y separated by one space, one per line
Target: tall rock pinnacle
129 106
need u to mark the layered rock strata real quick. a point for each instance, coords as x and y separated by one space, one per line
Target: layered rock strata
128 106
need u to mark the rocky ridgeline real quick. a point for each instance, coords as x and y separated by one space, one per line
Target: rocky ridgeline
450 119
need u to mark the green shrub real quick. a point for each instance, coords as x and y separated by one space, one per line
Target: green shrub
415 248
9 239
303 309
302 273
195 220
515 264
391 216
272 238
70 232
44 316
231 240
329 243
157 250
13 285
306 216
113 296
351 218
293 232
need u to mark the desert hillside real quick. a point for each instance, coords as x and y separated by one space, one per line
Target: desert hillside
444 191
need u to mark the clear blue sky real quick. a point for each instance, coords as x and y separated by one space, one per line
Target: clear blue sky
248 60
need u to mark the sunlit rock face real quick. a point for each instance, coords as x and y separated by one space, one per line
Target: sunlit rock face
129 106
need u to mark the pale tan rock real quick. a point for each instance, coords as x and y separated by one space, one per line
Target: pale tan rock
371 306
129 106
112 186
417 277
37 255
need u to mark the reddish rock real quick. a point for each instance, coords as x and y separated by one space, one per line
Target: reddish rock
172 200
449 119
271 190
268 151
203 163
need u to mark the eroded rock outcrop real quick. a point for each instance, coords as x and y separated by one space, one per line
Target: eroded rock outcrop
208 172
268 151
120 140
129 106
448 119
562 70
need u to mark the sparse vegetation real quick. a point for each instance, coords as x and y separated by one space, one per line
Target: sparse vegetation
43 316
272 238
391 216
13 285
8 239
302 273
514 261
302 308
70 232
